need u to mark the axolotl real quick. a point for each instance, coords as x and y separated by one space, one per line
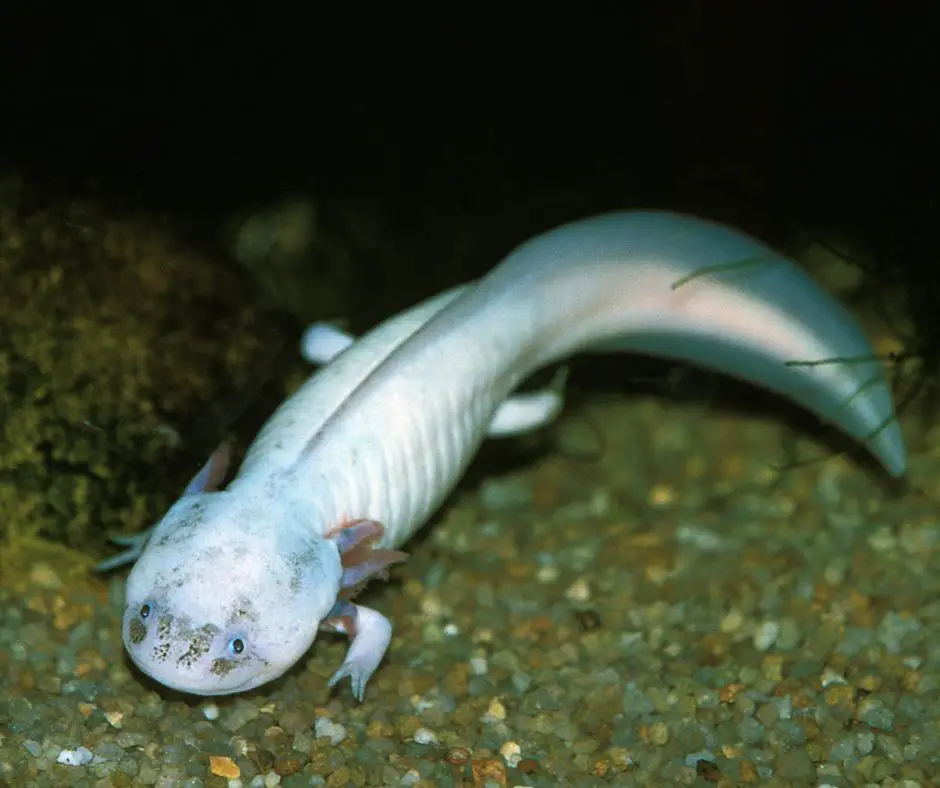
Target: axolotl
231 586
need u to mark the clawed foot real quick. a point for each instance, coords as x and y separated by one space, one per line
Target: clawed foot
369 634
358 679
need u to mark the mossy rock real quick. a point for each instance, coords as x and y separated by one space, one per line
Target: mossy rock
125 354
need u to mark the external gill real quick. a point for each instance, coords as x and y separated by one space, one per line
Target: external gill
208 478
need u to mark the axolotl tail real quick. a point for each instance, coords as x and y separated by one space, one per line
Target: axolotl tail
679 287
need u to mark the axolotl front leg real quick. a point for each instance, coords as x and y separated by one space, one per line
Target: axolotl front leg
517 415
369 632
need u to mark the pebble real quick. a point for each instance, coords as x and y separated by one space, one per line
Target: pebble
326 728
426 736
79 757
579 591
658 645
766 635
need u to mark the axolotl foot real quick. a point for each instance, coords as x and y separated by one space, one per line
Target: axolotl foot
369 633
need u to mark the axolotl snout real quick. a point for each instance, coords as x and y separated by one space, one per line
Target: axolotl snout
221 602
230 587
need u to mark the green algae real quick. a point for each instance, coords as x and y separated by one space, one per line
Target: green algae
121 350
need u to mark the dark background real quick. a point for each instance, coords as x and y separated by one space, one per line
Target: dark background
783 118
825 112
464 130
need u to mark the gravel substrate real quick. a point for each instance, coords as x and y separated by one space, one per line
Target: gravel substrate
672 612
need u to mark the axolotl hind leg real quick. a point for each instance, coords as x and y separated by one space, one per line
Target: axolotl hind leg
517 415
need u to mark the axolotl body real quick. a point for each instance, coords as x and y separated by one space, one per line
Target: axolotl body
231 586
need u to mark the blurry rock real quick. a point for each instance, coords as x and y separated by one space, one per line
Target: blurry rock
124 356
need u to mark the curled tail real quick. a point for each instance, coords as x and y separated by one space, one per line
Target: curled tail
684 288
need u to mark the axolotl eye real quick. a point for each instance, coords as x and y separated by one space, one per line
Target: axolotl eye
139 625
236 646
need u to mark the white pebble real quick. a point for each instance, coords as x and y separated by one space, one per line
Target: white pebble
432 606
210 711
420 704
425 736
578 591
832 677
766 635
326 728
512 753
479 665
78 757
495 712
547 574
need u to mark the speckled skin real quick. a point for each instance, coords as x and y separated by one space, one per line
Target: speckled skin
233 585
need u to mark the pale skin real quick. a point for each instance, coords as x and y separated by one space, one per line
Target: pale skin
231 586
369 631
518 415
321 343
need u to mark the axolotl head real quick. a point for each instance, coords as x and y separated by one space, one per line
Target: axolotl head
227 595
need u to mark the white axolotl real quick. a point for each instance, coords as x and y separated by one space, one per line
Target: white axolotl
230 587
